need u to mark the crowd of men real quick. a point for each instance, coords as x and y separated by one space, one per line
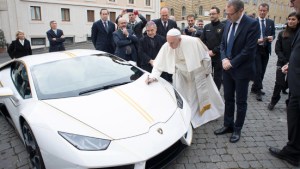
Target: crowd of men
238 48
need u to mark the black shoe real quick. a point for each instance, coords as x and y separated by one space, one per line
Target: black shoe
284 92
223 130
235 137
258 97
279 154
271 106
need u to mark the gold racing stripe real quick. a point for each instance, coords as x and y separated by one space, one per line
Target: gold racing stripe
70 54
134 105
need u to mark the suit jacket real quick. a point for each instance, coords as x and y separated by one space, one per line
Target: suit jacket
55 45
137 27
270 31
17 50
102 39
123 43
243 52
294 66
160 27
194 34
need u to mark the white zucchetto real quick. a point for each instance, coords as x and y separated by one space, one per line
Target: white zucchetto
173 32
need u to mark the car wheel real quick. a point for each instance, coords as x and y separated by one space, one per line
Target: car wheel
32 147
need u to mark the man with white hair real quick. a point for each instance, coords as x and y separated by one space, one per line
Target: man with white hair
187 59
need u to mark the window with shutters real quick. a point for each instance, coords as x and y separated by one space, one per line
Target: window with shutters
65 14
90 15
35 13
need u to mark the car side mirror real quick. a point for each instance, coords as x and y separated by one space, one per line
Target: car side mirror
6 92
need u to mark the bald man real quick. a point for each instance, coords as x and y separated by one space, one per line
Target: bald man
164 23
125 41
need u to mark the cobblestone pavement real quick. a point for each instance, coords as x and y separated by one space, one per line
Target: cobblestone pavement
263 128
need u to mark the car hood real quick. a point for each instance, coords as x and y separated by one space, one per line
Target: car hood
124 111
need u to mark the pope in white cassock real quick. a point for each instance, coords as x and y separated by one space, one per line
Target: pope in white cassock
187 59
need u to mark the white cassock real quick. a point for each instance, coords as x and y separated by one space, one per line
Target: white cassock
190 65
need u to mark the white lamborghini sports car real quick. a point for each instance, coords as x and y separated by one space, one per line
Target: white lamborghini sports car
89 109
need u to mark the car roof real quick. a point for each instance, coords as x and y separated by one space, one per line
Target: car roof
54 56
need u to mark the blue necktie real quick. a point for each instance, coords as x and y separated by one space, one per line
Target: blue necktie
230 41
263 28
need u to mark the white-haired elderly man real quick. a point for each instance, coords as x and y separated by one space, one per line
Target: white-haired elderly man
149 47
187 59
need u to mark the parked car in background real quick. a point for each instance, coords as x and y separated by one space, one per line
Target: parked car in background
280 26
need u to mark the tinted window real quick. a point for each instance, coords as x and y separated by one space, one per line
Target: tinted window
71 77
20 79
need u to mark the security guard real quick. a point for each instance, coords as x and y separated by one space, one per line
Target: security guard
211 37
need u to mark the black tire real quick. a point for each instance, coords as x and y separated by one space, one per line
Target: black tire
32 147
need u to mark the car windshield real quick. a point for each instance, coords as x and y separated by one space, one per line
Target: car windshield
81 75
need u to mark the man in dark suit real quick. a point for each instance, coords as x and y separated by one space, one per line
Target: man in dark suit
56 38
264 43
192 29
136 26
238 49
164 24
291 152
125 41
102 31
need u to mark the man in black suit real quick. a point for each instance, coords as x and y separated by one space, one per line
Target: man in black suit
291 152
192 29
264 43
102 31
164 24
125 41
56 38
238 49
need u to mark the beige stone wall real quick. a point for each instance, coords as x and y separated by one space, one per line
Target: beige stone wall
279 9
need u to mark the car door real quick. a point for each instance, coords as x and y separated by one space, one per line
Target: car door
19 84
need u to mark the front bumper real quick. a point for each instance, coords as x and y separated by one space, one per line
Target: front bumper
139 151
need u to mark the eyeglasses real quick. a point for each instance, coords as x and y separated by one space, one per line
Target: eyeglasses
212 14
230 14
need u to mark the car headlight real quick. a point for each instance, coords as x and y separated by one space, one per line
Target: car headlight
85 142
179 99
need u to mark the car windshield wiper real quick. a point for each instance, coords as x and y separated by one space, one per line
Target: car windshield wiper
102 88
